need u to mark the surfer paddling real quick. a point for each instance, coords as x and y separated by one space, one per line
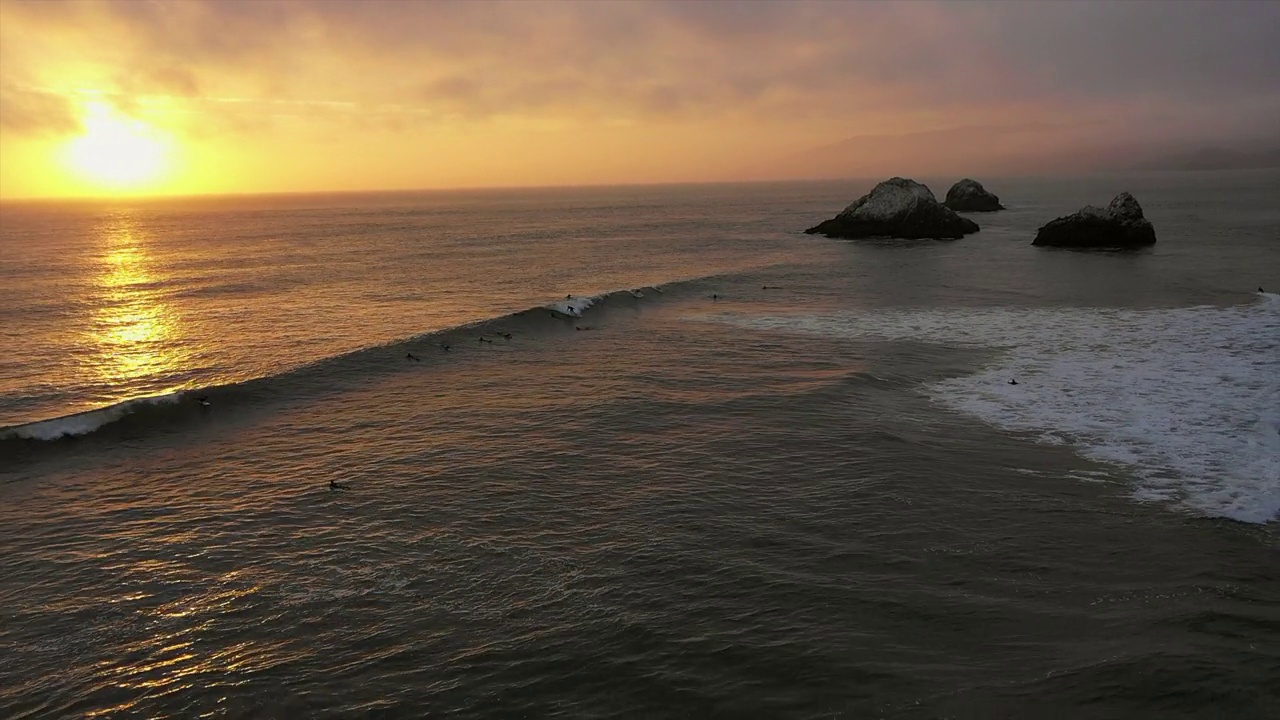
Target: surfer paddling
335 485
203 400
411 356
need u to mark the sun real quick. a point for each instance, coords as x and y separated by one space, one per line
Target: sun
116 152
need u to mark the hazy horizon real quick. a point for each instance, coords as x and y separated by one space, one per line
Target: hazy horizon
201 98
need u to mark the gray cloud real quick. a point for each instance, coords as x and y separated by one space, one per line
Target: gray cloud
34 112
673 60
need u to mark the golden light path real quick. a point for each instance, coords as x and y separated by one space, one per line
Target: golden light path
134 328
117 153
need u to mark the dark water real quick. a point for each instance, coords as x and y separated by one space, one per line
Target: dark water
817 500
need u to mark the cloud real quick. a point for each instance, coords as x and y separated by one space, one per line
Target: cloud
35 112
795 74
675 56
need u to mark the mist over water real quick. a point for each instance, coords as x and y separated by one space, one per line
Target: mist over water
700 464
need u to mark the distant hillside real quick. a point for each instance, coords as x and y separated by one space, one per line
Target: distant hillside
1216 159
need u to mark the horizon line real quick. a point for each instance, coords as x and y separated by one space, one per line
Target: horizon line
38 199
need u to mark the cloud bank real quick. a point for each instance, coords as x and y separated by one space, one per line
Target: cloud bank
740 80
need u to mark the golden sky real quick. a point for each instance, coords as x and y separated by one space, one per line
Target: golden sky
172 97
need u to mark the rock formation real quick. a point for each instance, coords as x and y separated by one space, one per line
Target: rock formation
899 208
969 196
1121 225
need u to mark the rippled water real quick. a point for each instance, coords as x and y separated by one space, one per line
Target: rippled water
815 500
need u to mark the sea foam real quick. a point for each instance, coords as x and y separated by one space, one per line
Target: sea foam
85 422
1187 399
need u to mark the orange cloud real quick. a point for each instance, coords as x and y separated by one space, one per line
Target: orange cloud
333 95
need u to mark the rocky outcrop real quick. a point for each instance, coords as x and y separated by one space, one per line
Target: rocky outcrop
899 208
969 196
1120 225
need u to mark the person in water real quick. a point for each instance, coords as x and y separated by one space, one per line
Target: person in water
1012 381
444 346
506 335
411 356
203 400
335 485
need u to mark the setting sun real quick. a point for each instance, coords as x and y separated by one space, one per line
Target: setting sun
116 152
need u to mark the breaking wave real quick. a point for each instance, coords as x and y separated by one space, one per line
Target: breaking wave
320 374
1187 399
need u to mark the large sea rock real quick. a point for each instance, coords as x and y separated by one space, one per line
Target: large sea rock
899 208
969 196
1120 225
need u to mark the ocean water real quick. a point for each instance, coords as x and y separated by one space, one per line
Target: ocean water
639 452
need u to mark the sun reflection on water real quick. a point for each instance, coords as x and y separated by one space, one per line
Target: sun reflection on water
135 330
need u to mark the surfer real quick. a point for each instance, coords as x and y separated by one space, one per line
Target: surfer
203 400
572 310
483 340
1012 381
583 327
1260 289
411 356
506 335
715 296
335 485
444 346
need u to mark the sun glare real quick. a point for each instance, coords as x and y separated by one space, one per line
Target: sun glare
117 153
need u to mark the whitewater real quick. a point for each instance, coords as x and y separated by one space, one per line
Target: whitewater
1187 399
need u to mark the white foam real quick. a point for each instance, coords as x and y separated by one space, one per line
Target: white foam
85 422
1188 399
573 305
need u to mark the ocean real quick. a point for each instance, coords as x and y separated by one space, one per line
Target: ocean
639 452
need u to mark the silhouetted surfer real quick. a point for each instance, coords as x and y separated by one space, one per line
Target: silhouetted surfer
444 347
483 340
203 400
572 310
568 297
715 296
506 335
335 485
1260 289
411 356
1012 381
